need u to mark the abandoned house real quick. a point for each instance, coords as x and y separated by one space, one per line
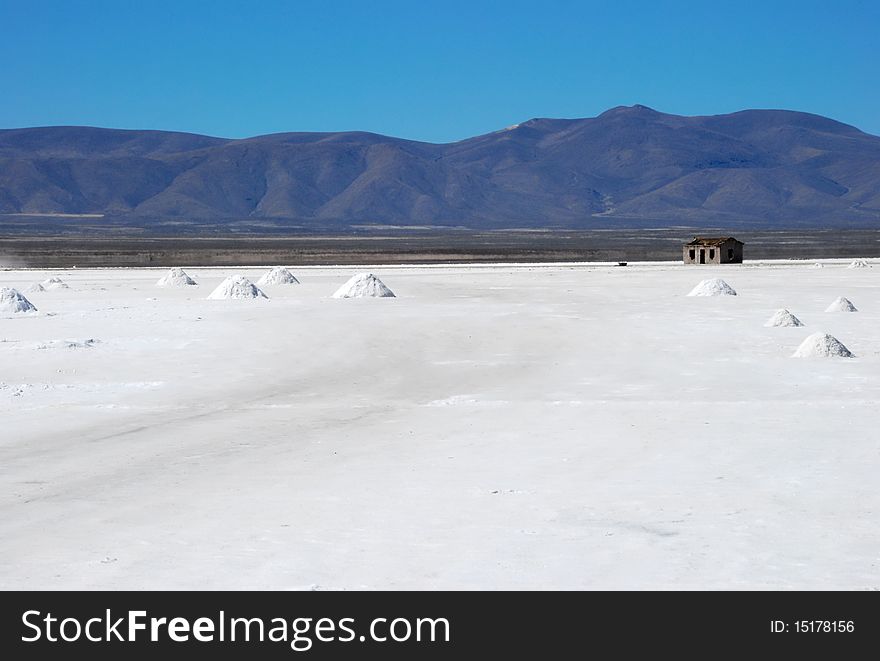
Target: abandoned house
723 250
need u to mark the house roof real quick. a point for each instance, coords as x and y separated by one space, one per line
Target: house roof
710 241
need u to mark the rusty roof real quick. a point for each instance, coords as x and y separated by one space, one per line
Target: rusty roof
710 241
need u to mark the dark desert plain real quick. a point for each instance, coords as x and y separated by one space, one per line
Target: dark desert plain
409 247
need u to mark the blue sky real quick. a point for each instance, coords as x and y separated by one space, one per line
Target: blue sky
436 71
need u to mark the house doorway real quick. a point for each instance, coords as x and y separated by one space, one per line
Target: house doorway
702 256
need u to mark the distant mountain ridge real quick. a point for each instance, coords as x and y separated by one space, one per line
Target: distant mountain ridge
756 167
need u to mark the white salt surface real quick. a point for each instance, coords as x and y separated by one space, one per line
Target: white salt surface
497 427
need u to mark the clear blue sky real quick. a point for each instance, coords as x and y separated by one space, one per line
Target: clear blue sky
436 71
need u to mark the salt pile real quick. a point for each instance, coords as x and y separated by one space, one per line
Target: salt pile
841 304
237 287
54 283
822 345
176 277
69 344
859 264
36 287
783 318
713 287
818 265
278 276
363 285
13 301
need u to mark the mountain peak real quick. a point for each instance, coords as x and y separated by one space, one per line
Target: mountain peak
637 109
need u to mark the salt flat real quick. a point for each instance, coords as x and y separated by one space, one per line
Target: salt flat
491 427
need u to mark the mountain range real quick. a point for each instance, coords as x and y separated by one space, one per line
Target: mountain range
629 165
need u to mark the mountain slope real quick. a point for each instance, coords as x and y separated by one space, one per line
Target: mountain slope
765 167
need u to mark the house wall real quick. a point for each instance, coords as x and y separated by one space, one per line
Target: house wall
737 253
708 256
714 254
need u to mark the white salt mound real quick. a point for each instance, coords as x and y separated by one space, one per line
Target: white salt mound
841 304
176 277
783 318
69 344
36 287
859 264
54 283
363 285
822 345
713 287
278 276
236 287
13 301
